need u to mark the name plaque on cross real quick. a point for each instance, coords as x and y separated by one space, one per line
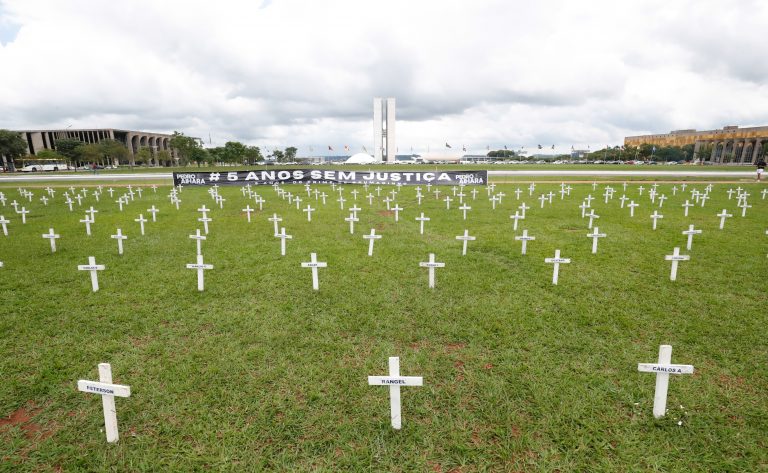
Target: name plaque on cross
663 369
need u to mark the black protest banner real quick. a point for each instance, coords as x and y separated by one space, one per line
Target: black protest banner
327 176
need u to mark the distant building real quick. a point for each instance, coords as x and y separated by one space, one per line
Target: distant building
730 145
38 140
384 148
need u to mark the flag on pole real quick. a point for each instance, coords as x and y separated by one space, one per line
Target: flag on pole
505 147
330 148
539 146
464 148
447 145
346 148
553 146
365 149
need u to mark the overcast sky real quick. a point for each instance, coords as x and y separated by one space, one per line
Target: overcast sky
304 72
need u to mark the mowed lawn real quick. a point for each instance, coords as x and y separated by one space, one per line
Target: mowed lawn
260 372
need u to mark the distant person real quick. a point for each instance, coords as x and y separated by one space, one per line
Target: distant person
760 168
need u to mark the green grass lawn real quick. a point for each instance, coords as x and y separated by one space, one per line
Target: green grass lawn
260 372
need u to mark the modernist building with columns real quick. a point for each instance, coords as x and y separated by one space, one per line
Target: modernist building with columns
38 140
730 145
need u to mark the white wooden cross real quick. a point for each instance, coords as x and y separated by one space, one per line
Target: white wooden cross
641 189
542 199
297 200
341 201
355 209
557 261
4 222
517 193
465 239
282 236
397 210
141 221
200 267
419 197
464 208
461 196
314 264
153 211
370 198
723 215
352 219
372 237
685 206
525 238
248 211
139 190
198 237
23 213
448 200
744 208
87 222
274 219
583 208
623 199
690 232
663 369
52 237
516 218
531 188
79 199
309 211
591 216
662 198
108 391
421 220
594 236
323 196
764 193
93 268
523 207
431 264
675 257
655 216
437 194
259 200
205 221
119 237
92 213
474 193
394 381
176 201
704 198
354 194
632 206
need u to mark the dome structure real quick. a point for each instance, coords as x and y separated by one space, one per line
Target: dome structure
360 158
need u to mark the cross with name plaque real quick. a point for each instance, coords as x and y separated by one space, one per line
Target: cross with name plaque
466 237
282 236
421 220
431 264
594 236
675 257
371 238
23 213
655 216
108 391
394 381
663 369
352 219
198 238
723 215
525 239
690 232
200 267
141 221
557 261
94 269
314 264
397 210
248 211
119 237
516 218
4 223
52 237
464 208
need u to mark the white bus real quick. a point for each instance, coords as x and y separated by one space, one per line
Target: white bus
34 165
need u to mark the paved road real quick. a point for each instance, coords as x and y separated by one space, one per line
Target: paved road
677 173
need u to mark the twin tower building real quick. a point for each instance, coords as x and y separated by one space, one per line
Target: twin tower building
384 129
